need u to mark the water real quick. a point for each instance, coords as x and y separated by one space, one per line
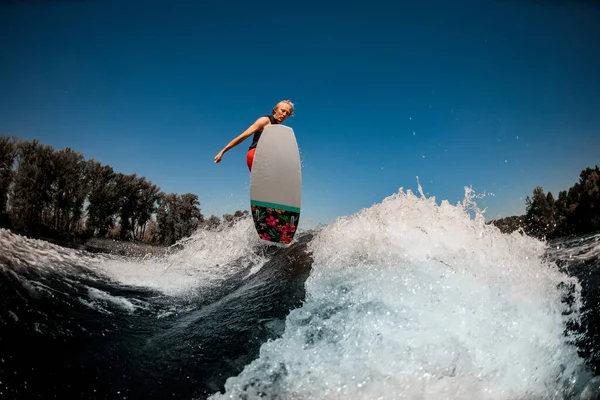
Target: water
405 299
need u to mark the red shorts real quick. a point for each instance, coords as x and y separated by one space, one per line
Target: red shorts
250 158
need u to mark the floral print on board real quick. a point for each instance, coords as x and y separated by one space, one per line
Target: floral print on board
275 225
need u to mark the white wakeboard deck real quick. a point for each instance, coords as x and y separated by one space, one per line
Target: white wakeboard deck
276 184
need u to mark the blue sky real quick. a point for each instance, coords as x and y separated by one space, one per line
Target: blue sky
500 95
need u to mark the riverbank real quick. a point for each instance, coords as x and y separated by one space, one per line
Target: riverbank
101 245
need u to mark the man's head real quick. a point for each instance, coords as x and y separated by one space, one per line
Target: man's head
283 109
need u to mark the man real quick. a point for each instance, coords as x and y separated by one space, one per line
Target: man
280 112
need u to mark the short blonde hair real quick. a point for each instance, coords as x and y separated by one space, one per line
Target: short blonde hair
288 102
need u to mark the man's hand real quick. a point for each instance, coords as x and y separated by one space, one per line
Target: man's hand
218 157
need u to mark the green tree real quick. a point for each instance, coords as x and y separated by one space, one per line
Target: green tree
540 213
231 219
69 190
190 216
562 212
148 195
166 218
8 154
212 222
178 216
585 201
128 198
102 198
33 180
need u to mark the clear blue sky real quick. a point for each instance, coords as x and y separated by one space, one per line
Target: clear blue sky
502 95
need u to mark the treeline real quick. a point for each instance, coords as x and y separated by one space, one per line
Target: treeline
576 211
59 194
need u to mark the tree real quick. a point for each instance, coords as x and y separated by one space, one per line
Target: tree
212 222
69 189
190 216
8 153
231 219
585 200
562 212
148 196
128 198
33 180
166 218
178 216
102 198
540 213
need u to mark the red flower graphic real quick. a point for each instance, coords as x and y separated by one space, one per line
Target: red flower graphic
271 220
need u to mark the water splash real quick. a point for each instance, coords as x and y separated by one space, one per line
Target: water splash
411 299
207 257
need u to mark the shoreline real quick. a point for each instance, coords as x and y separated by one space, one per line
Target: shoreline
100 245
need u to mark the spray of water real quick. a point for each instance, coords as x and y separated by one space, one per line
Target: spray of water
411 299
27 253
36 263
202 260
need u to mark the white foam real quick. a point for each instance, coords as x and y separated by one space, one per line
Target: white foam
27 252
410 299
207 257
100 296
